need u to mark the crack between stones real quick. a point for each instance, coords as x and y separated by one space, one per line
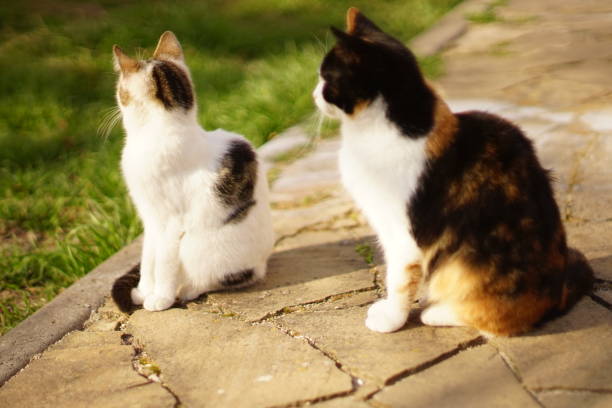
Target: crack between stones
475 342
571 390
514 370
356 382
600 301
150 370
322 226
287 310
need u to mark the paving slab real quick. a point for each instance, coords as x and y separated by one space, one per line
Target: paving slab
450 384
370 356
573 399
300 276
84 370
216 361
572 352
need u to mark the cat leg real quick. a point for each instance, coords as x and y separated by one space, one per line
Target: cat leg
403 281
167 270
147 270
440 314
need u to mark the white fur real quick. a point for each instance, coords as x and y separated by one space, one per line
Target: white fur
440 314
380 167
170 167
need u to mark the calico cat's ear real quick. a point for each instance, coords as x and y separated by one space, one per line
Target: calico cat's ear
352 45
122 62
168 47
358 24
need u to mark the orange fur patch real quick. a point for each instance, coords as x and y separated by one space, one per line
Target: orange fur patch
445 127
124 96
481 303
360 106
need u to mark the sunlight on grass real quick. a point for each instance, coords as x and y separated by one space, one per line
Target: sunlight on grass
63 205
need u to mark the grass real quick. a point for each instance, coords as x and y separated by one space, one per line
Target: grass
488 15
63 205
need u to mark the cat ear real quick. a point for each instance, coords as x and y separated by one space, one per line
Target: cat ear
358 24
168 46
122 62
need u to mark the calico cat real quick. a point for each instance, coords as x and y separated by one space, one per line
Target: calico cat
201 195
459 202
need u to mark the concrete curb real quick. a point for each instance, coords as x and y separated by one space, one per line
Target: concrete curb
67 312
450 27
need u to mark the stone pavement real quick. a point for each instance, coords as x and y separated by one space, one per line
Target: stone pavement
299 337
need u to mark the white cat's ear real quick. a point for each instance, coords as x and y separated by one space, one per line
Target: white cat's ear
122 62
168 47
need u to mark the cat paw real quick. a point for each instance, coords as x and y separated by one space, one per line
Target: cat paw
385 317
137 296
154 303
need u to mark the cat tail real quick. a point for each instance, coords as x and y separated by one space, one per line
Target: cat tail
579 280
122 290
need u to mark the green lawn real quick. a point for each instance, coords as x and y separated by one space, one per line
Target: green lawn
63 207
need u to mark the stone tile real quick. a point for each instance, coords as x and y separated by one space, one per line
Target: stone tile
297 276
218 361
318 237
452 383
590 238
84 370
572 352
290 221
373 357
593 207
318 170
567 399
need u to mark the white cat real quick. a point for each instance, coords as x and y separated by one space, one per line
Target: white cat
201 195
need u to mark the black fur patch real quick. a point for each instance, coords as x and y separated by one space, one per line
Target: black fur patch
237 178
173 88
371 63
122 290
488 192
238 278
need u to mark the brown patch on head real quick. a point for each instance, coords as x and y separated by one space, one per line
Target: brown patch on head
168 46
351 19
444 130
124 96
123 63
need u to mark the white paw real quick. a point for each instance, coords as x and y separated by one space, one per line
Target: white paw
440 315
385 317
137 296
155 303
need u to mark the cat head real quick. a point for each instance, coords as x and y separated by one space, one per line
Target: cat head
366 63
162 83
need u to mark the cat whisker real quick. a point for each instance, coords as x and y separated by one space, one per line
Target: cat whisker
108 122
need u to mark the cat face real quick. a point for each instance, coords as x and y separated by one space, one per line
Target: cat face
162 82
366 63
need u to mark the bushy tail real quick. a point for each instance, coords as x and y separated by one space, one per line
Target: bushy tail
122 290
579 281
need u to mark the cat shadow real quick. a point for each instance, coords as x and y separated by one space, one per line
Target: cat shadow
300 265
286 268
